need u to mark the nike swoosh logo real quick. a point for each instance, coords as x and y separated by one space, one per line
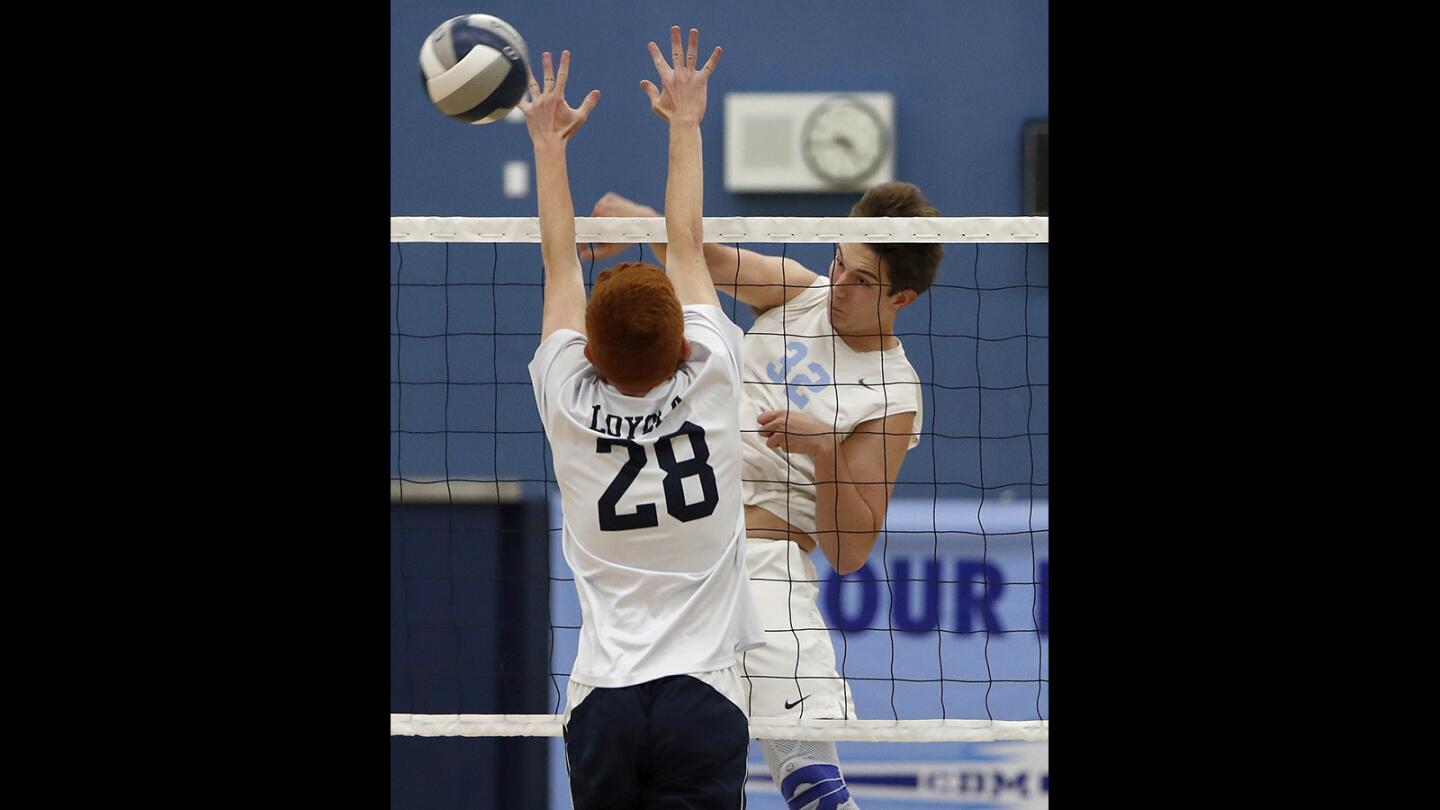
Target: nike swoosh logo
867 385
789 706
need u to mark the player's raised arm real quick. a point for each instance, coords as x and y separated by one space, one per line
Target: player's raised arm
551 123
681 100
752 278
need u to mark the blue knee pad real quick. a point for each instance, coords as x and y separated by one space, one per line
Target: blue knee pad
824 783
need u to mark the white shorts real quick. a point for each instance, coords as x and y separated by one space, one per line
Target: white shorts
793 676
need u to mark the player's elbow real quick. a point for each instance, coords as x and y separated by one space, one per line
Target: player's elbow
850 560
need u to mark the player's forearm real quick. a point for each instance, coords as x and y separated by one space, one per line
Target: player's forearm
564 298
557 210
845 527
684 193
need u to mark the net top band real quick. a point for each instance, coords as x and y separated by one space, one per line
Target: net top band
732 229
550 725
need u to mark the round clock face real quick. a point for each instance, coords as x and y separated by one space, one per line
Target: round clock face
844 141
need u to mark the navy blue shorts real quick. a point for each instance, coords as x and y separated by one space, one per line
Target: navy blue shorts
673 742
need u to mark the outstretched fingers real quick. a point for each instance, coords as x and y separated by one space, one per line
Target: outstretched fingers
563 72
661 67
714 61
591 99
533 88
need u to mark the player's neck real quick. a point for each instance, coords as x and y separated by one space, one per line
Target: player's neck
629 392
867 340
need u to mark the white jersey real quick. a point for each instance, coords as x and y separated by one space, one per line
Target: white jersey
794 360
654 527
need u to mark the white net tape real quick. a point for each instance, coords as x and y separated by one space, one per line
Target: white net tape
732 229
549 725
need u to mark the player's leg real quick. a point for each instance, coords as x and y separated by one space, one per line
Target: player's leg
697 747
604 748
808 774
793 675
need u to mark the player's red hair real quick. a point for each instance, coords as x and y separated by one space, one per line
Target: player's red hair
634 325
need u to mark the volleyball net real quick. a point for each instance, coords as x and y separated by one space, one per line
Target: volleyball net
941 636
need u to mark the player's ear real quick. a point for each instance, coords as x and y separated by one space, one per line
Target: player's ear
684 350
587 354
904 298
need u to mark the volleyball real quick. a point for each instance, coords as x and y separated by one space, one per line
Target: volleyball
474 68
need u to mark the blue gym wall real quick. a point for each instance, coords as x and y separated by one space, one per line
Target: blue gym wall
966 76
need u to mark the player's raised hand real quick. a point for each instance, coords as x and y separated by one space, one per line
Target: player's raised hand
547 115
796 432
681 96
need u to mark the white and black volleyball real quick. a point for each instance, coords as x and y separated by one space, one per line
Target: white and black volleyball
474 68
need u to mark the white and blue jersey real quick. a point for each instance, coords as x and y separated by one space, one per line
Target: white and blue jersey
795 361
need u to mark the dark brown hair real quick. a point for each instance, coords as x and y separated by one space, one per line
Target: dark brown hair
909 266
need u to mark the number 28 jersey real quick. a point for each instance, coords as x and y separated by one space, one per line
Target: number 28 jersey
654 527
